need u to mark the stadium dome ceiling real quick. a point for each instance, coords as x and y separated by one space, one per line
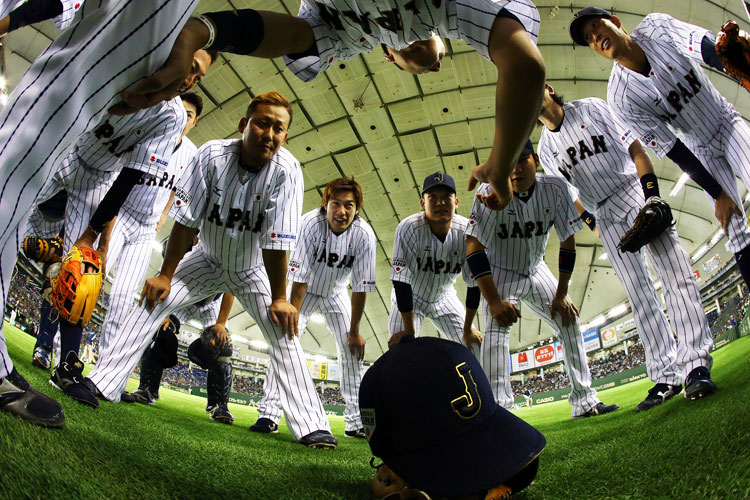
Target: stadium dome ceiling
389 129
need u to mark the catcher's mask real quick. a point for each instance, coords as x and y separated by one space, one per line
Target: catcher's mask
462 442
164 345
204 352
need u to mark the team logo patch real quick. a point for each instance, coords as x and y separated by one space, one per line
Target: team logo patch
399 264
368 421
160 161
650 140
294 265
181 197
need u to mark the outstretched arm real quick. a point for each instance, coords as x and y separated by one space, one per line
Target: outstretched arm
518 98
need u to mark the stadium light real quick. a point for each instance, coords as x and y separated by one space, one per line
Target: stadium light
700 252
3 82
317 318
3 99
603 256
258 345
680 182
158 247
239 338
716 237
617 310
598 321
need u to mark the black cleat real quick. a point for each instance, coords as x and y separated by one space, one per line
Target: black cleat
221 414
599 409
320 440
699 384
143 396
657 395
18 398
68 378
264 426
127 397
42 357
356 433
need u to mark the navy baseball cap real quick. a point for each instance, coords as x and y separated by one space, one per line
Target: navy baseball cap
580 18
438 179
430 415
528 148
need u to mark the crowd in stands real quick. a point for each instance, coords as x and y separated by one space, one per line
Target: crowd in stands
613 362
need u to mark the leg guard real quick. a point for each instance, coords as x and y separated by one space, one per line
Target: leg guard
219 383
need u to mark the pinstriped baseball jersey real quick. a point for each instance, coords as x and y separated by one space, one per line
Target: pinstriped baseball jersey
240 212
148 198
70 9
143 141
585 150
345 28
516 237
429 265
676 98
325 260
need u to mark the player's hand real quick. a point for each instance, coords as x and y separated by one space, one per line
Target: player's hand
488 172
155 290
504 312
356 344
725 208
472 336
396 338
491 201
222 335
103 259
285 315
166 82
568 312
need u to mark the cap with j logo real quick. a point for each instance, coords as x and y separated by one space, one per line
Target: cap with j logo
438 179
429 414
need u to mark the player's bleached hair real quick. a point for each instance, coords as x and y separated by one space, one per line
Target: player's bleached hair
272 99
342 184
195 100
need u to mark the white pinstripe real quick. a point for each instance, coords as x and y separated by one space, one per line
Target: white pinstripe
339 36
68 88
521 275
616 207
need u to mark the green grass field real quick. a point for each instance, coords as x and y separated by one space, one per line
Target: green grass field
679 450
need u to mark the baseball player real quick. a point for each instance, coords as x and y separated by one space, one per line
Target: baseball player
68 89
503 31
505 251
98 175
429 252
336 245
614 177
132 234
245 194
658 89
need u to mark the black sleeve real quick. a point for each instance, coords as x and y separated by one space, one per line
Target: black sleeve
688 163
115 197
472 297
708 51
404 298
34 11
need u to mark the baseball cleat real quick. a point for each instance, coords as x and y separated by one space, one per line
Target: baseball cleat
127 397
68 378
265 426
18 398
143 396
599 409
222 414
210 408
657 395
42 357
356 433
699 384
320 440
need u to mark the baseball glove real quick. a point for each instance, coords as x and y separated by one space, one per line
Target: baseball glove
43 249
733 47
76 288
651 221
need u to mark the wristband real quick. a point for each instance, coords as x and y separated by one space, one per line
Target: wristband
567 260
588 219
650 186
